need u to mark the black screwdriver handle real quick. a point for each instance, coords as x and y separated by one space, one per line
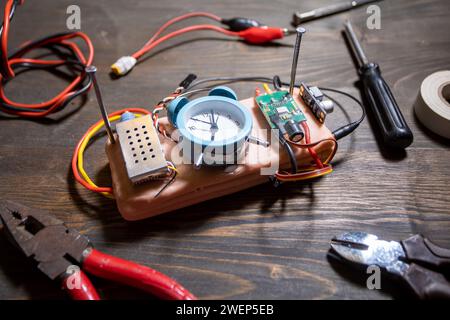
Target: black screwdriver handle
394 130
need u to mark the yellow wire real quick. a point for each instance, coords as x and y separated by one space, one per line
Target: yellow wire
330 170
81 154
83 148
267 89
173 168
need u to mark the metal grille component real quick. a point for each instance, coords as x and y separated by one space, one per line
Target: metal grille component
141 149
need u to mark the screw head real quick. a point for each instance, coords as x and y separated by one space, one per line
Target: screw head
300 30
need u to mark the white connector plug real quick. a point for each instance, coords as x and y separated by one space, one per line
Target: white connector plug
124 65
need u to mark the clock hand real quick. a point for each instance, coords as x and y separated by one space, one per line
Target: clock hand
201 121
193 128
211 117
213 121
214 126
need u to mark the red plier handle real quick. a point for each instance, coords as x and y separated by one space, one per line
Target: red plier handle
81 288
125 272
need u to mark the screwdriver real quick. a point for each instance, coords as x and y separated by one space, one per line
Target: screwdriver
391 124
302 17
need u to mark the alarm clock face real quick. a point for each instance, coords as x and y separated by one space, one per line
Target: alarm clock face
217 122
214 125
212 130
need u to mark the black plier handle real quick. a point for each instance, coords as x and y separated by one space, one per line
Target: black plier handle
428 262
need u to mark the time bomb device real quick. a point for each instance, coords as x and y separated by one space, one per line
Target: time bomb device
214 133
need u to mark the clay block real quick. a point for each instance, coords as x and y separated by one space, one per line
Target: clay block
191 186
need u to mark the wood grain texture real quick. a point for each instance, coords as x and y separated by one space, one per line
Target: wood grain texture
259 243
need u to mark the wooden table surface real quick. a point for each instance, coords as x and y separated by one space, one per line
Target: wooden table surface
260 243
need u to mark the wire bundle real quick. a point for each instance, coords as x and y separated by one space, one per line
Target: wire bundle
162 106
321 167
62 44
154 41
249 30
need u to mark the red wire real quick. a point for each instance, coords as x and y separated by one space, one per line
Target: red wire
180 18
309 173
52 104
311 151
6 14
253 35
146 49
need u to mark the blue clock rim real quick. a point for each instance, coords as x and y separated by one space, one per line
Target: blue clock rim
245 132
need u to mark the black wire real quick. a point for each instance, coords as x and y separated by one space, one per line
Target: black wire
290 153
230 80
77 93
363 110
276 81
338 133
11 15
73 63
37 43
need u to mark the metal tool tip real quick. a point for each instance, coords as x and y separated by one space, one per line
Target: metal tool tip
300 30
348 24
91 69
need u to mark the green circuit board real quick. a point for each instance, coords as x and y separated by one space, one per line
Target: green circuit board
281 107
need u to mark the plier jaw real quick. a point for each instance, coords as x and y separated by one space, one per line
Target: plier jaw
42 237
367 249
416 260
57 249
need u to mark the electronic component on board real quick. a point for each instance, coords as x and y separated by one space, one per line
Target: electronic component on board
141 148
138 140
293 130
282 112
314 99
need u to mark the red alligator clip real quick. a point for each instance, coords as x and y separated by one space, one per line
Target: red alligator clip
260 35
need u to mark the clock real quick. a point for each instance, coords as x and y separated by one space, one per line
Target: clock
214 129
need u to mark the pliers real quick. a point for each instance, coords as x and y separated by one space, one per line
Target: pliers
62 253
419 262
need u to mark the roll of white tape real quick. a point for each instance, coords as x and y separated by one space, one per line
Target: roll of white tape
432 106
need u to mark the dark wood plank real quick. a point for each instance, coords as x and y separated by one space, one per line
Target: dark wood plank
259 243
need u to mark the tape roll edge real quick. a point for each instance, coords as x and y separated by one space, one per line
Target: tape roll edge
430 107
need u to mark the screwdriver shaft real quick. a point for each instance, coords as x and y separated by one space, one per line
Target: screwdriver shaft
302 17
355 45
